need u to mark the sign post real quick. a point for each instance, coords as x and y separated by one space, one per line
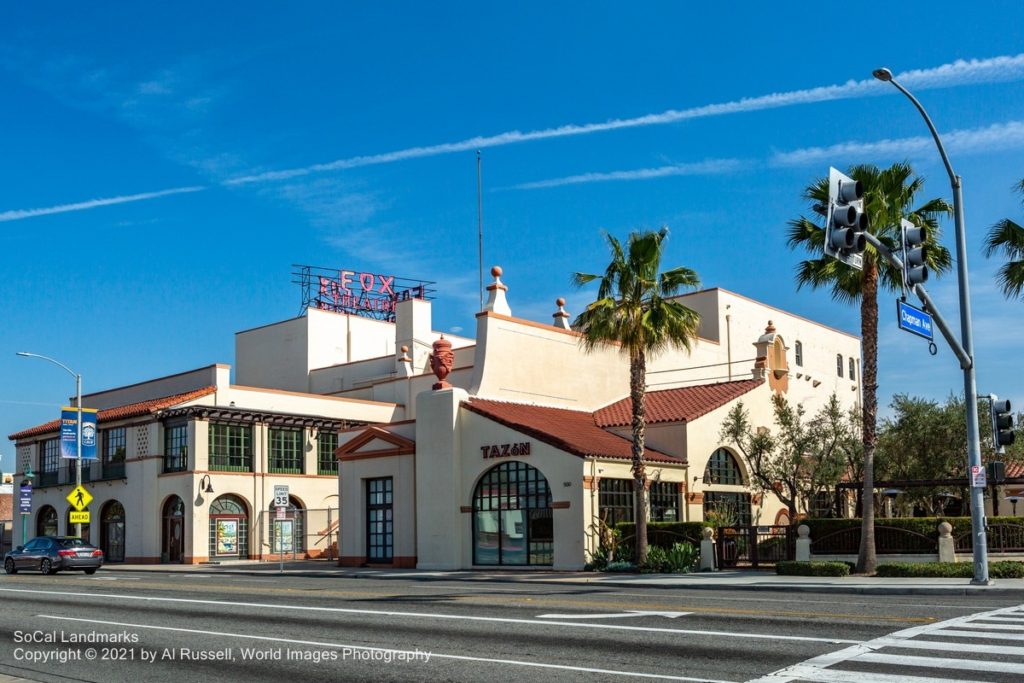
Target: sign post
25 505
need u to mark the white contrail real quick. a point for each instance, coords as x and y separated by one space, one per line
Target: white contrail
20 214
999 136
706 167
960 72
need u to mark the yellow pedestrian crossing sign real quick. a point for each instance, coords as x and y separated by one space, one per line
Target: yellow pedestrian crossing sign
79 498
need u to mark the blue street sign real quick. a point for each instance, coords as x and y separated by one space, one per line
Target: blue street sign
914 320
25 500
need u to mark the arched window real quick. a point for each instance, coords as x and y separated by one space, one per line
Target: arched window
723 469
229 527
839 364
112 531
853 369
293 535
173 541
512 521
46 522
799 352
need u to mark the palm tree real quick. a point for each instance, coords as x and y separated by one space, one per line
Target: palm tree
633 309
888 196
1008 237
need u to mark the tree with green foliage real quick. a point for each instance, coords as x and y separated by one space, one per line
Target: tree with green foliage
634 310
889 195
800 458
1007 237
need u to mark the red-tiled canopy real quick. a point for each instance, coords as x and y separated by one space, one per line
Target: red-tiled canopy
572 431
676 405
122 412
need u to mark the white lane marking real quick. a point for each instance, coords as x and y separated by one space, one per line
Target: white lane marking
939 663
1016 617
866 649
994 627
988 635
621 615
951 648
789 601
813 673
434 615
432 655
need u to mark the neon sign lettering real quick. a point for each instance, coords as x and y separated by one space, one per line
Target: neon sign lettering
363 293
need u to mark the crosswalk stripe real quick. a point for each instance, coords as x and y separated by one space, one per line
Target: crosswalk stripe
993 627
1017 618
953 633
952 648
803 672
939 663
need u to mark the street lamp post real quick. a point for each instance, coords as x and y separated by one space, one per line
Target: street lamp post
78 407
978 522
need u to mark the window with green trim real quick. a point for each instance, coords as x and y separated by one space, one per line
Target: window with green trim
326 444
230 447
286 454
176 447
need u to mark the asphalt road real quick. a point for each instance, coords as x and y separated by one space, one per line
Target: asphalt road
154 626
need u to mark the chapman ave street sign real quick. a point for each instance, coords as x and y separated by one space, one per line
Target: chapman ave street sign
914 320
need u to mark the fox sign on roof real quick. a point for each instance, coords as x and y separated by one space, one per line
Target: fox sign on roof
363 293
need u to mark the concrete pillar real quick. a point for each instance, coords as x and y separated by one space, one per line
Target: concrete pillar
439 536
803 543
707 550
412 331
947 546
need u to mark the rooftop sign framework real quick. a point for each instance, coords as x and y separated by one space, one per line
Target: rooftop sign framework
367 294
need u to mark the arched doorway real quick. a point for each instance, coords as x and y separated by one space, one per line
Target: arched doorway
723 498
70 528
229 528
112 531
173 542
292 536
512 523
46 522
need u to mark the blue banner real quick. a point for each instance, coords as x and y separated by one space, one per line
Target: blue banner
25 500
69 433
914 320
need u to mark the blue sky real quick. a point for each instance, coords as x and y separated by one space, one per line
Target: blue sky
163 167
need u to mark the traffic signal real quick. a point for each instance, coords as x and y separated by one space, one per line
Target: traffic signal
1002 424
915 272
846 221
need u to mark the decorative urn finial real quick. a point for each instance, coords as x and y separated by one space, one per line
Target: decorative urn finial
441 361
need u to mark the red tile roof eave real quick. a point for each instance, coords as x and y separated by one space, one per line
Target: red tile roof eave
705 398
121 412
651 455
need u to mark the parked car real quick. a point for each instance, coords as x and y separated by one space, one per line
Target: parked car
51 554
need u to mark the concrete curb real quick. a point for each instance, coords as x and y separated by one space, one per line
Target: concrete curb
998 589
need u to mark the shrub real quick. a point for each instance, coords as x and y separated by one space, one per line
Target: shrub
1006 569
679 559
662 534
790 568
598 560
620 566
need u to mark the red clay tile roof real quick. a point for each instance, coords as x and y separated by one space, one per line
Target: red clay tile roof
676 405
1015 469
122 412
573 431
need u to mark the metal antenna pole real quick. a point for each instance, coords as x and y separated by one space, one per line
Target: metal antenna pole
480 226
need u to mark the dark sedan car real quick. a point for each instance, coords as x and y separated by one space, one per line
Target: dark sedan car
51 554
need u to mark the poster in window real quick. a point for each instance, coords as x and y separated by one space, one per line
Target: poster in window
227 536
285 543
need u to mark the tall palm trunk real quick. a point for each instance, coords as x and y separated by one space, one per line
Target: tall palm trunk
866 559
637 392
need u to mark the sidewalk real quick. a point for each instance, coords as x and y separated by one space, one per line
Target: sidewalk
723 580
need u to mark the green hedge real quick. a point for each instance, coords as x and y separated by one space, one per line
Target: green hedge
1006 569
663 534
812 568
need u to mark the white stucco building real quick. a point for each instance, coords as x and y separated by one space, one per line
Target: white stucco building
513 464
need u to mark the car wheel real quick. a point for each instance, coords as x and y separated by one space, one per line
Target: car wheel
9 566
46 567
90 571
